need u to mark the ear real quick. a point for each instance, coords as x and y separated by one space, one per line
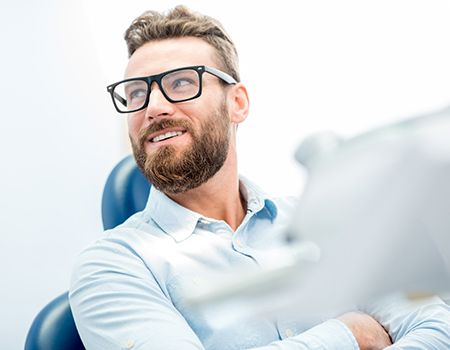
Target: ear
238 103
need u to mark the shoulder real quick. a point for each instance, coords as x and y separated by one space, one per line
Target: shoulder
281 207
120 248
276 205
285 203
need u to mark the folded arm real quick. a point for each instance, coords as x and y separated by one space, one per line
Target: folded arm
413 324
117 303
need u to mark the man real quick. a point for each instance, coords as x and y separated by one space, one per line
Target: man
184 100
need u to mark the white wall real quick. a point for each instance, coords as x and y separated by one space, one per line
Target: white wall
58 141
339 65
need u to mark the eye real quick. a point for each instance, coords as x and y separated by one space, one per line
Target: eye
182 83
137 93
136 90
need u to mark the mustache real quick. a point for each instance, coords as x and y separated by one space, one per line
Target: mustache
161 125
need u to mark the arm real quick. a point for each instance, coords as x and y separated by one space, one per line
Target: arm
118 304
330 335
368 332
423 324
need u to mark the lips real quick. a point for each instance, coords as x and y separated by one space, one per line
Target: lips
166 135
164 130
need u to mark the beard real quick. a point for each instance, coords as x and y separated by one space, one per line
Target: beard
172 171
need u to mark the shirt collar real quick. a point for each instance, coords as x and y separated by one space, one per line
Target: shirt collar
174 219
180 222
256 198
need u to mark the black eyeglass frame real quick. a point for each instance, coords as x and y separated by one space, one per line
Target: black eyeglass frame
158 77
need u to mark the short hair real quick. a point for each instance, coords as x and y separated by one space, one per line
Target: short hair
182 22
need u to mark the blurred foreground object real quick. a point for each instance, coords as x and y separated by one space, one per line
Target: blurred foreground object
374 220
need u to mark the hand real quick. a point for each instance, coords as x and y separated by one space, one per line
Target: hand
369 334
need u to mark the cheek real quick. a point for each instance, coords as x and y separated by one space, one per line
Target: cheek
134 126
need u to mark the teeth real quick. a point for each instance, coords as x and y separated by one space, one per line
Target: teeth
166 136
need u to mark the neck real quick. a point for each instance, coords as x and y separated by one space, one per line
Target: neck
218 198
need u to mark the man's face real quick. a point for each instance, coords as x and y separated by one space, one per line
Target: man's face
179 146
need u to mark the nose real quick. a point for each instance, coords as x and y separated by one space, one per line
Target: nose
158 105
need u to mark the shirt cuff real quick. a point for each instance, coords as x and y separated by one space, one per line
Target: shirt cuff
330 335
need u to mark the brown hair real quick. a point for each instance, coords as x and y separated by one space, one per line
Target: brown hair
182 22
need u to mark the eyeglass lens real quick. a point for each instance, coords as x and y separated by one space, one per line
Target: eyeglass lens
177 86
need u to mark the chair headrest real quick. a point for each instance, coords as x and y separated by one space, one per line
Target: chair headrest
125 193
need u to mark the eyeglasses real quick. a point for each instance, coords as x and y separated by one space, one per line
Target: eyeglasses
177 85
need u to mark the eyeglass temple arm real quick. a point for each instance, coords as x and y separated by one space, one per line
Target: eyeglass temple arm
222 75
116 95
120 98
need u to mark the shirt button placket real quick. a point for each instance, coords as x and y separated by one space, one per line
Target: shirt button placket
238 246
289 333
129 344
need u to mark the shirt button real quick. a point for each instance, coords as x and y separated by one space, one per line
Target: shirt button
130 344
289 332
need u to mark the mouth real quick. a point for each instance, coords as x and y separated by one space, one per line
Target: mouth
165 135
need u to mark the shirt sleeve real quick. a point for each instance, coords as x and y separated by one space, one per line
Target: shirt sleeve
413 324
330 335
118 304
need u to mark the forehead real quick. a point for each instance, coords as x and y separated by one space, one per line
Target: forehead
161 55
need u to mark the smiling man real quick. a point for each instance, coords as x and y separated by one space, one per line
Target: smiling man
184 100
185 137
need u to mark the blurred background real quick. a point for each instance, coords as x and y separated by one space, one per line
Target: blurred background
310 66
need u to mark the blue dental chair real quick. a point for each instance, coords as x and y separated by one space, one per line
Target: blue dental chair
126 191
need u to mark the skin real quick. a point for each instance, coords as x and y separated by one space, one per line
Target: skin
219 197
369 334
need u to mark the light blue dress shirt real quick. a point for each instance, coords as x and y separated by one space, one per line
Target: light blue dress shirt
128 287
